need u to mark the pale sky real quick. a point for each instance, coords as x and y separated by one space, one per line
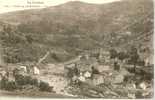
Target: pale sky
13 5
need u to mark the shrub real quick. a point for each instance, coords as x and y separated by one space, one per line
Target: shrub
45 87
113 53
20 79
122 55
7 85
3 83
34 82
11 85
28 79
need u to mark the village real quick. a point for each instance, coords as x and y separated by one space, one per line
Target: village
95 74
78 49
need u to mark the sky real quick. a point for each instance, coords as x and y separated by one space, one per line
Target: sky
13 5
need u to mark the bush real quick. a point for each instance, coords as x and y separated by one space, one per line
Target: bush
34 82
3 83
45 87
122 55
20 79
141 63
133 55
27 79
24 80
113 53
11 85
7 85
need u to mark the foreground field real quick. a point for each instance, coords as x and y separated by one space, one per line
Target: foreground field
25 94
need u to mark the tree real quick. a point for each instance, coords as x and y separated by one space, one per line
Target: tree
7 29
134 56
29 39
122 55
113 53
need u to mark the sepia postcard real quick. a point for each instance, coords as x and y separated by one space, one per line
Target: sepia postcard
76 49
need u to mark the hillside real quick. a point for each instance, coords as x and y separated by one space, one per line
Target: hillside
72 27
